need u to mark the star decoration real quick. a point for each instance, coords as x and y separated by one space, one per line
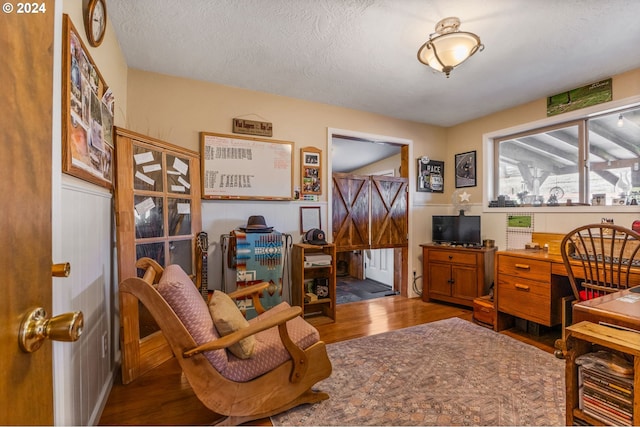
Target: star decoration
464 196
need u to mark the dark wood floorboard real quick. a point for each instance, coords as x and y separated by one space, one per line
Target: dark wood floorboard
164 397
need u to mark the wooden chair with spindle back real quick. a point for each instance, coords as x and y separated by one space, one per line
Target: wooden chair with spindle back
599 259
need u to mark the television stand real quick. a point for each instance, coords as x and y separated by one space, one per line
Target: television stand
456 274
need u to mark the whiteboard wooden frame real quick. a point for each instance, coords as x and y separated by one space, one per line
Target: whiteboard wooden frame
266 165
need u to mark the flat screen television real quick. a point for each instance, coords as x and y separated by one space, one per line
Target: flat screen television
456 230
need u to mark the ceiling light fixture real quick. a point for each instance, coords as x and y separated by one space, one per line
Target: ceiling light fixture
620 121
450 47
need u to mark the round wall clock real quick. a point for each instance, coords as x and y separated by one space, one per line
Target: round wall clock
96 21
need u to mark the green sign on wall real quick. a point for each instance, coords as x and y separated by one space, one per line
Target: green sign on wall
585 96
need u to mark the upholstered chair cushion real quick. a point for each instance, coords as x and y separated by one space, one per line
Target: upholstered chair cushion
227 318
187 302
269 351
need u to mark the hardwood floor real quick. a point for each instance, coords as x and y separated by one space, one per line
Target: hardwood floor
164 397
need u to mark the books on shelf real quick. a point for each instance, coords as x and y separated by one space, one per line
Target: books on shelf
605 387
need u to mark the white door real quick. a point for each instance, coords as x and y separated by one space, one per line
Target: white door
378 265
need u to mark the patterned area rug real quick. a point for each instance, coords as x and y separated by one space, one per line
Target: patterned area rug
450 372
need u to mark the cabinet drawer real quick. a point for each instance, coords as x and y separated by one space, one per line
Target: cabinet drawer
483 311
525 298
453 257
525 268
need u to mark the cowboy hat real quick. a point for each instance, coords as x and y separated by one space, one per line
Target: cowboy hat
256 224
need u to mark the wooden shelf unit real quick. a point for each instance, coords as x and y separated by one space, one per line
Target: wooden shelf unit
319 311
581 339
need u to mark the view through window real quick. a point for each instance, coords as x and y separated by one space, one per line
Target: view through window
594 161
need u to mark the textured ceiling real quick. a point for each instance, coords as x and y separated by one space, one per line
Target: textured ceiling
361 54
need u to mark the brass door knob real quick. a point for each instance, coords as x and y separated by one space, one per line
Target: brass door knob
61 270
36 327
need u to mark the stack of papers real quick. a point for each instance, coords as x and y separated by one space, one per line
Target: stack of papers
317 259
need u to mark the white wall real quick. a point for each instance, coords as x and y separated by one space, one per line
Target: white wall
83 235
83 374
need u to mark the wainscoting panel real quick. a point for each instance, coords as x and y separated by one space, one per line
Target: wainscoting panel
83 371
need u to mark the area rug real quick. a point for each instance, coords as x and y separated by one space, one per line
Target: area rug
450 372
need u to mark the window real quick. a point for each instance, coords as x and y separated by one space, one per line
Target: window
592 161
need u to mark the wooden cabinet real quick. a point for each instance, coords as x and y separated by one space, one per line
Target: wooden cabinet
525 288
585 337
317 308
158 215
456 274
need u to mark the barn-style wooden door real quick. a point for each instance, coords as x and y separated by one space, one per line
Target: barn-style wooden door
369 212
350 215
388 212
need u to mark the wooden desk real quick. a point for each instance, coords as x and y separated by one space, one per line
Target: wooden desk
620 308
533 285
530 284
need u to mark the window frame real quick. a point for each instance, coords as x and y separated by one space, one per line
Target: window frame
491 155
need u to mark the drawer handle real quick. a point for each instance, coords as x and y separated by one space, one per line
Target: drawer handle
523 266
486 310
522 287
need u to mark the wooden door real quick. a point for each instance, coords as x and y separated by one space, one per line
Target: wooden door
465 282
439 279
388 212
350 211
26 42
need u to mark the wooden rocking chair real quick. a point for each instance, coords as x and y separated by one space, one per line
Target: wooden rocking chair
286 346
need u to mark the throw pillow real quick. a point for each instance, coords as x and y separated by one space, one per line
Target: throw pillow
227 319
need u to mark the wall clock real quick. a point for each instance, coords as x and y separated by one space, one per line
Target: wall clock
96 21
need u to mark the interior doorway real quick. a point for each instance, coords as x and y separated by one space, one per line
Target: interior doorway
375 272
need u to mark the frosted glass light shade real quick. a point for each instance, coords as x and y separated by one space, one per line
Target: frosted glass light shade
449 48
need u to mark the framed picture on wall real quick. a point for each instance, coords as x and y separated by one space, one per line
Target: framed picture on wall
430 175
87 114
309 218
466 169
310 171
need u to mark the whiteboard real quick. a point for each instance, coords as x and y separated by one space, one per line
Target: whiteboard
237 167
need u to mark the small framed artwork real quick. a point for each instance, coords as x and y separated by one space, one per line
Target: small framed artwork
430 175
310 171
311 158
309 218
466 169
